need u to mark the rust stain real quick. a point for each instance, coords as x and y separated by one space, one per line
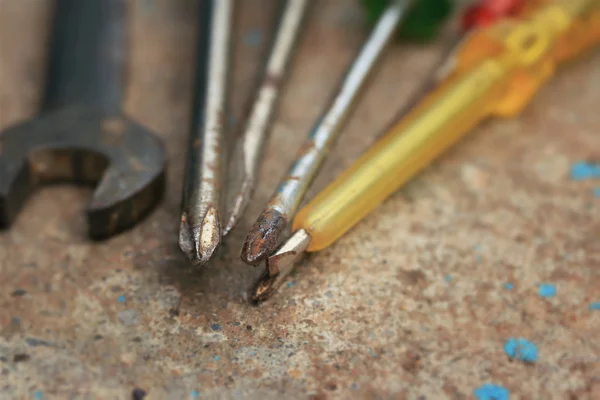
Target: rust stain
306 148
136 164
263 288
216 184
272 81
263 238
113 130
212 167
275 200
114 126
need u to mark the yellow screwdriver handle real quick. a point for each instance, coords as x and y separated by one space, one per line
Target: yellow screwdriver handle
498 70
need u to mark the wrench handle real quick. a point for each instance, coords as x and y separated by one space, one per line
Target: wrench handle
87 54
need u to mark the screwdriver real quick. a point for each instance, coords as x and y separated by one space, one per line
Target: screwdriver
498 72
264 236
248 150
200 222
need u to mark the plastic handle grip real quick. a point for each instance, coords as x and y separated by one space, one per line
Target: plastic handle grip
399 155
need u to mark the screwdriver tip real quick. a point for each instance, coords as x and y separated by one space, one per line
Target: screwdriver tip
263 238
280 265
199 243
264 288
238 204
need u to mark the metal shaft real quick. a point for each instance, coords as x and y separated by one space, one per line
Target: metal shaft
200 229
264 235
87 54
249 149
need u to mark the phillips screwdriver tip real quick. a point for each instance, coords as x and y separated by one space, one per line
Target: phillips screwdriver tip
264 237
199 242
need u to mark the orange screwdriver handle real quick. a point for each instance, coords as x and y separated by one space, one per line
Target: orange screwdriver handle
529 44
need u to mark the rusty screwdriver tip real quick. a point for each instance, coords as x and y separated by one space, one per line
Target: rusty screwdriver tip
264 237
199 241
280 265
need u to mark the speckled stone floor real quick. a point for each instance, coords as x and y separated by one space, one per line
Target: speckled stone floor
416 302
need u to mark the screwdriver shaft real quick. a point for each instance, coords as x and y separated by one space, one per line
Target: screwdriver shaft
264 235
248 151
200 229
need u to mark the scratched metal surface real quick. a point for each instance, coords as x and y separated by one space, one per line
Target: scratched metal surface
410 304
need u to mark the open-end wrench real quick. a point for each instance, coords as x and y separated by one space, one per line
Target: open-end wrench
81 134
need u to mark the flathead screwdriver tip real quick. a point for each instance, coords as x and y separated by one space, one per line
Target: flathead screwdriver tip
199 242
264 237
280 265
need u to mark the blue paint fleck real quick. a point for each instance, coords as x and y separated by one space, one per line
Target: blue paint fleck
216 327
583 170
547 290
596 192
595 306
253 38
509 286
490 391
448 278
216 358
39 395
478 258
521 349
290 284
195 393
252 353
121 299
354 386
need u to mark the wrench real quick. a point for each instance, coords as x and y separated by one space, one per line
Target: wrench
81 134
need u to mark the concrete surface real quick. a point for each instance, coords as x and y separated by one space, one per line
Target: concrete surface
411 304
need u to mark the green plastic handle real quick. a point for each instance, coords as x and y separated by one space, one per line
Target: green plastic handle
423 22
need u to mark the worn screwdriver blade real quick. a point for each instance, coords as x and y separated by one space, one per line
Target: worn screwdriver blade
267 231
248 151
199 241
263 238
280 265
200 224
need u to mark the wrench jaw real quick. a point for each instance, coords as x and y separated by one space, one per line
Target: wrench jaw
13 194
84 146
120 202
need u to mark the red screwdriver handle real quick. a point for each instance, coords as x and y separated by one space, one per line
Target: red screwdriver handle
486 12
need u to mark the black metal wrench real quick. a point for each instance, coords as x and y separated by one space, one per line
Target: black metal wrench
81 134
